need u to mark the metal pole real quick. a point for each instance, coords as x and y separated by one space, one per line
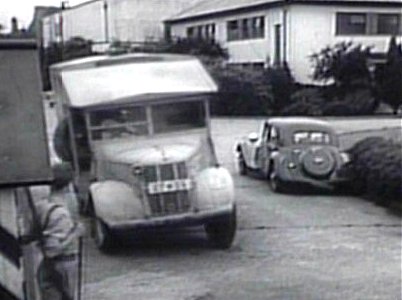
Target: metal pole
79 287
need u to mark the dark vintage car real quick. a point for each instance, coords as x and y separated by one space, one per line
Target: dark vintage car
293 150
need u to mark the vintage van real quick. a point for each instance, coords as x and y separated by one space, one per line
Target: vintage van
139 135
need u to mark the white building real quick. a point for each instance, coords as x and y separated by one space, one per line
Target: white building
103 21
262 32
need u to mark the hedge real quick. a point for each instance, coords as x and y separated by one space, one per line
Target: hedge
375 170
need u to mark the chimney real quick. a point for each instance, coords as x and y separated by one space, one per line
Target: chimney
14 25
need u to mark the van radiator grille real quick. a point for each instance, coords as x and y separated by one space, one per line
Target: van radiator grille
167 203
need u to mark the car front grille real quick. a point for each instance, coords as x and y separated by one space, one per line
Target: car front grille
167 189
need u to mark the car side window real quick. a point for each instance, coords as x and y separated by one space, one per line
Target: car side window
274 135
266 132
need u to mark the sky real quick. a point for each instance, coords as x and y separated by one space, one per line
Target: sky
23 10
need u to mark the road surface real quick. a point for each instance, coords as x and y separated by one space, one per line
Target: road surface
310 246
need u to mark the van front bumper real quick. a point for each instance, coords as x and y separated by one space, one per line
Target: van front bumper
182 220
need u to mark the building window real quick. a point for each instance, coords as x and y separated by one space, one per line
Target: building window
258 25
233 30
206 31
389 24
368 24
190 32
351 23
244 29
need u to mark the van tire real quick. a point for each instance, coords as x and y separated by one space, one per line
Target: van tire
102 235
221 232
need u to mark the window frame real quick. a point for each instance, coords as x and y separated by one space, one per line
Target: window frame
249 28
371 25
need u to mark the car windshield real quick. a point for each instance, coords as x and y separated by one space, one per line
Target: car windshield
311 137
121 122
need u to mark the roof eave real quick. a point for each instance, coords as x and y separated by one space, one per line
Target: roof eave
147 99
373 3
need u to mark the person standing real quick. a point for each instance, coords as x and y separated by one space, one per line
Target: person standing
58 272
58 232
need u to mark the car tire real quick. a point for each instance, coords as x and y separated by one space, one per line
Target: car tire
275 183
243 169
221 232
102 235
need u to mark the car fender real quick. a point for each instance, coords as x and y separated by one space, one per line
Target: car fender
115 201
278 161
214 188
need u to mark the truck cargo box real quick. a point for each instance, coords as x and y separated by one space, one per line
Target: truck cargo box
24 158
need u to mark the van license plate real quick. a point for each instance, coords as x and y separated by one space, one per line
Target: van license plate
168 186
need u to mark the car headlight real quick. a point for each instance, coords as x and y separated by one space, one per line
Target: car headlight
345 157
291 165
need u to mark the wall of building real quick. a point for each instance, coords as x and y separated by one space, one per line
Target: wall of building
142 20
259 50
113 20
311 28
307 30
86 20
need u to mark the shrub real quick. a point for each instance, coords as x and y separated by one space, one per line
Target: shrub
357 102
280 84
56 52
306 101
344 63
337 108
239 92
375 169
388 77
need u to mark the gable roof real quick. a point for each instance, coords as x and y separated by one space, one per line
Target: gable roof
206 8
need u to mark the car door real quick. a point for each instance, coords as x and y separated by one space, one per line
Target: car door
269 149
262 152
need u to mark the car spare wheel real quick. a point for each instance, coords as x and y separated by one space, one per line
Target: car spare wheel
318 162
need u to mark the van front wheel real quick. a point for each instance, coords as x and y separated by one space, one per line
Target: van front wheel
102 235
221 232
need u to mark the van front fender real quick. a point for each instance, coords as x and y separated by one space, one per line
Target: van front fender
215 188
115 201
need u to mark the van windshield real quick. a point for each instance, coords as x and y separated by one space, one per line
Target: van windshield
118 122
141 120
178 116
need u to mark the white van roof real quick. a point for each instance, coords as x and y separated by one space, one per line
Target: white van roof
134 78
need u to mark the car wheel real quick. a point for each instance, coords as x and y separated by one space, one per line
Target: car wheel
221 232
102 235
276 183
242 164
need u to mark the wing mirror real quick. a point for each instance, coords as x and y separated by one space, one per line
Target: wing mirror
253 137
272 147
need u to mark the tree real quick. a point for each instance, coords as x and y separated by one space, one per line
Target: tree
56 52
388 77
344 63
280 84
345 66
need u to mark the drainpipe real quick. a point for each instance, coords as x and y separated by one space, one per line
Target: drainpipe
106 21
285 33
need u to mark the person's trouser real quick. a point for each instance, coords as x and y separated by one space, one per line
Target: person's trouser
58 278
